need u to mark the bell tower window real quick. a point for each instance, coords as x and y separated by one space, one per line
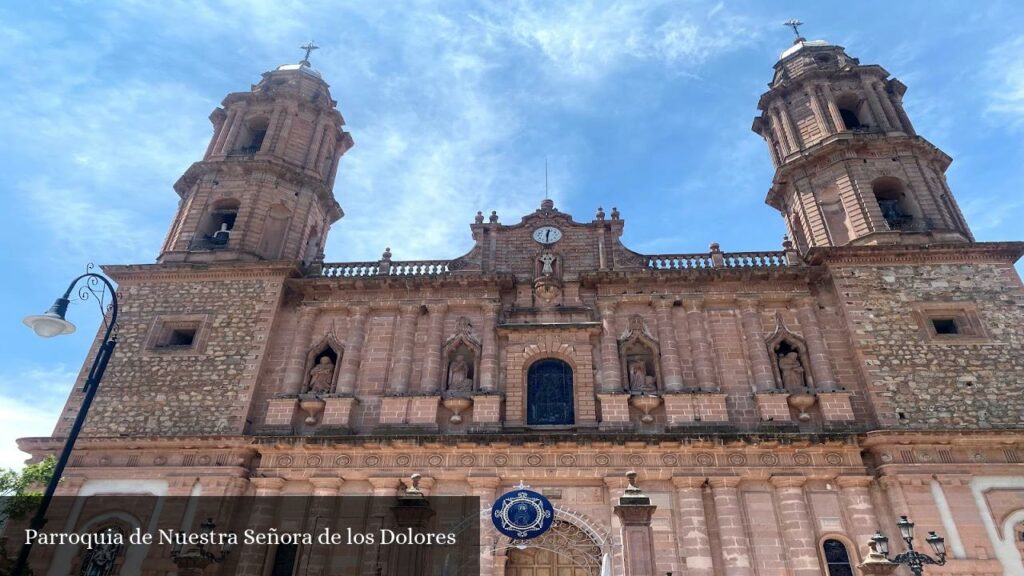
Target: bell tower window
848 105
892 201
215 232
253 136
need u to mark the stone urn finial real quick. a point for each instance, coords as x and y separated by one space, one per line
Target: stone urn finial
494 217
414 484
479 217
547 204
631 488
600 213
387 254
615 213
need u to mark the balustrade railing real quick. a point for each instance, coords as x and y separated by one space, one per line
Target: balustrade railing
754 259
678 261
385 268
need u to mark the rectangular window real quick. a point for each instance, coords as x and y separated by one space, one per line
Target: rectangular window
945 326
178 334
950 322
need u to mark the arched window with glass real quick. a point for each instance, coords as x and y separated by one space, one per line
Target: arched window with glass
837 558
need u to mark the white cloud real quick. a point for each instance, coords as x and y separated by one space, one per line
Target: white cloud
1006 70
31 400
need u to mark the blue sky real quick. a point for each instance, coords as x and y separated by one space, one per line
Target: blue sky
453 106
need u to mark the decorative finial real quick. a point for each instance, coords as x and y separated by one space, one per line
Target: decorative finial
308 48
414 484
632 489
387 254
547 204
615 213
521 486
494 217
600 213
795 25
479 217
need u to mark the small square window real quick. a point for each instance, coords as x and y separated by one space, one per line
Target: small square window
178 334
945 326
181 337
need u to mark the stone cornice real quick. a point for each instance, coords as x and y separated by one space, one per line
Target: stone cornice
651 276
310 284
248 165
937 437
973 252
125 274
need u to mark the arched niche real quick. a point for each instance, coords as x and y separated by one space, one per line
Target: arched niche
317 375
639 355
791 363
275 227
897 209
461 355
105 559
218 224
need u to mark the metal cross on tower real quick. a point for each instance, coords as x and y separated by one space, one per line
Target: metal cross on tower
308 48
795 25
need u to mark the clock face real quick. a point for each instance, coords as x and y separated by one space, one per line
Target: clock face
547 234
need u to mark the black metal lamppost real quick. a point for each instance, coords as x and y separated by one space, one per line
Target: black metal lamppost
53 323
878 561
193 560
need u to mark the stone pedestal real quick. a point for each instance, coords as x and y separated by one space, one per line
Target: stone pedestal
280 412
772 407
393 410
689 409
486 412
337 413
423 412
835 406
635 512
614 411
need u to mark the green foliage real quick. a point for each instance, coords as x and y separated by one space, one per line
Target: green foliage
21 492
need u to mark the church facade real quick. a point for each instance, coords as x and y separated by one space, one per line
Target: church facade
777 407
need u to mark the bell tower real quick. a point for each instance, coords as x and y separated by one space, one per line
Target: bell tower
850 169
263 190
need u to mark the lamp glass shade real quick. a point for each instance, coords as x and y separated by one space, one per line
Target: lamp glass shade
906 528
49 325
938 543
882 542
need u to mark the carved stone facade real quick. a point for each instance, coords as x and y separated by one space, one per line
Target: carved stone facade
772 403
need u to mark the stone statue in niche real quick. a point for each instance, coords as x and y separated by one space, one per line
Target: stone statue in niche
639 381
546 261
792 371
321 377
459 379
547 272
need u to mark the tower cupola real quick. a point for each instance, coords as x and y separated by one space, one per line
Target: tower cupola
850 167
263 190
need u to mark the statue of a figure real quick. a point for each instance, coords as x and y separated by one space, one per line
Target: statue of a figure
792 371
458 375
638 378
321 377
546 261
101 561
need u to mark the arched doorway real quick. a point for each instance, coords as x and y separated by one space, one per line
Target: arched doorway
564 550
549 395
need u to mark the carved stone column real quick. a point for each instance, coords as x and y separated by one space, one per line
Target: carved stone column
692 526
703 360
787 125
855 494
733 535
821 368
430 383
782 133
293 378
402 369
322 512
671 370
760 361
489 354
797 528
353 349
484 488
611 371
819 117
887 107
833 109
635 512
264 509
874 105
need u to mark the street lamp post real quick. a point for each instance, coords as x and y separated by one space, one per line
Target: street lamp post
193 560
879 562
53 323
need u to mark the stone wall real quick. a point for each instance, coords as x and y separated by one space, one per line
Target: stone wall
917 380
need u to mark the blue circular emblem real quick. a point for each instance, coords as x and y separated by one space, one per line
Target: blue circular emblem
522 514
